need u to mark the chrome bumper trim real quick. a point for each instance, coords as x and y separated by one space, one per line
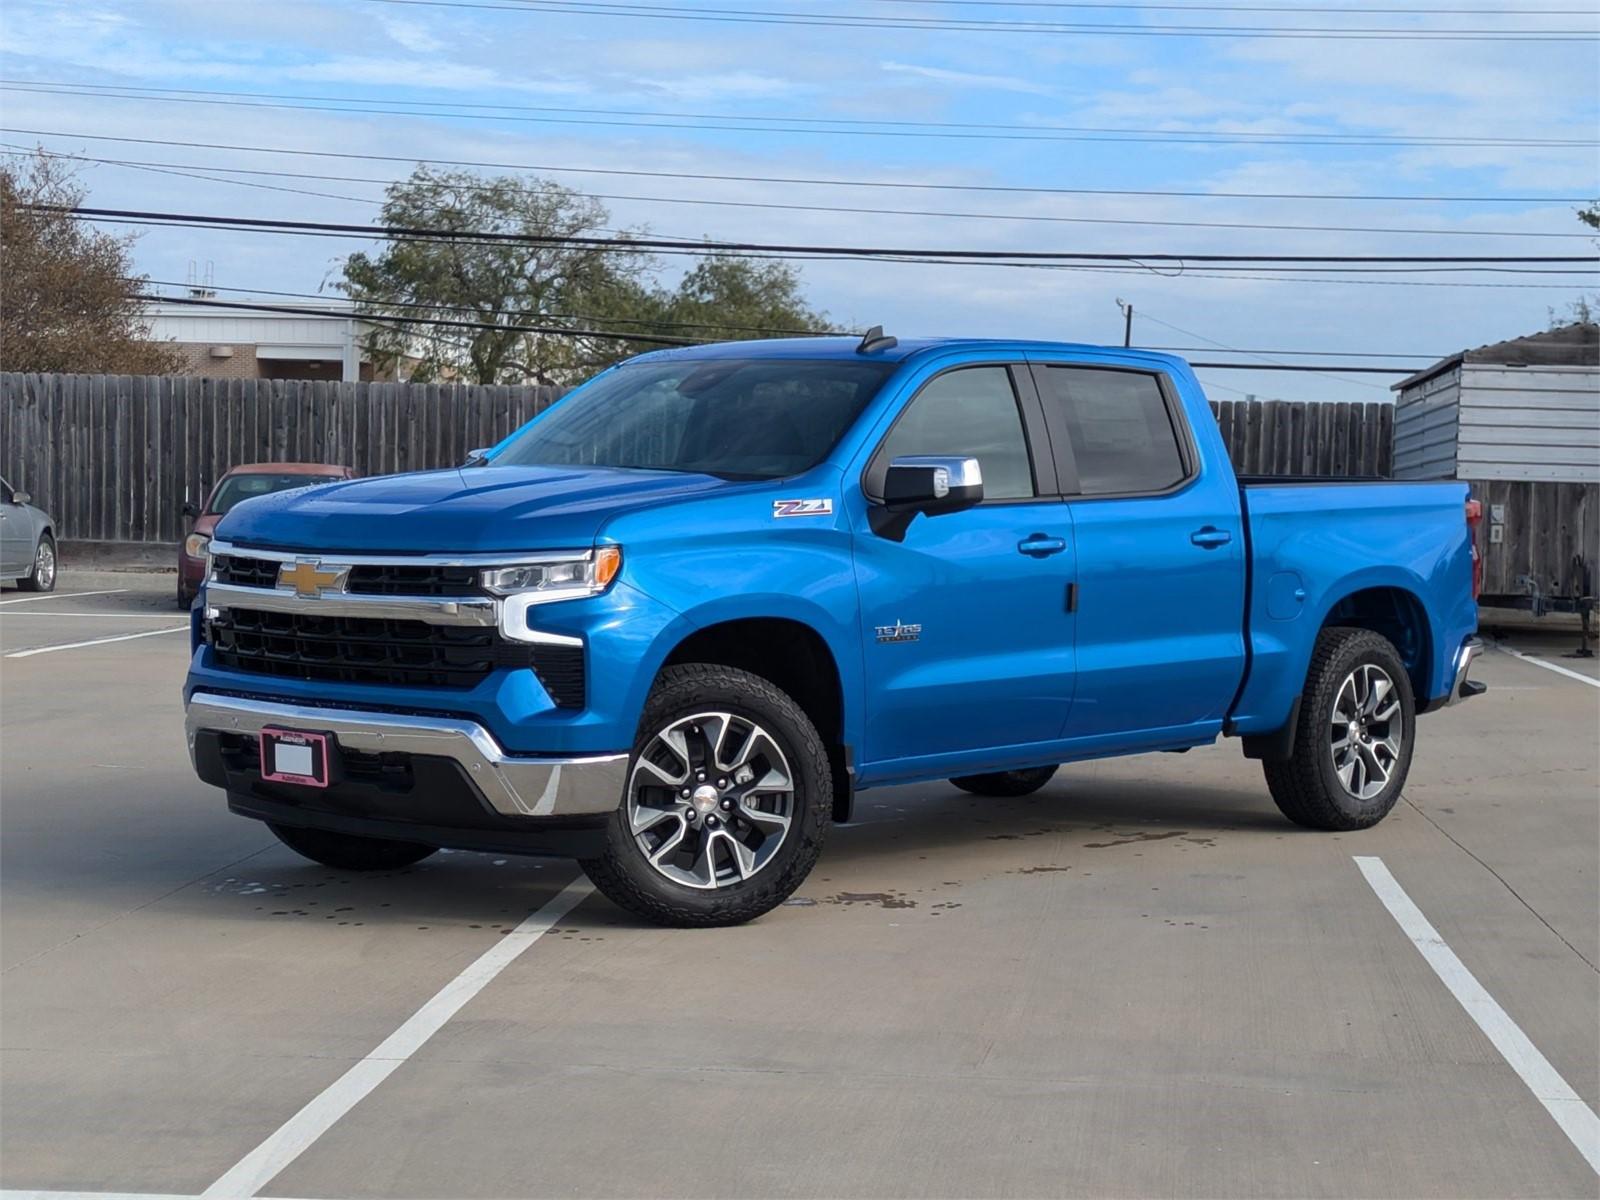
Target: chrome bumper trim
435 610
513 786
1465 656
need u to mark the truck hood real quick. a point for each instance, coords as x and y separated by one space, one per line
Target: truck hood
471 510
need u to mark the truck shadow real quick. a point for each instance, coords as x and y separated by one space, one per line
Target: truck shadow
938 819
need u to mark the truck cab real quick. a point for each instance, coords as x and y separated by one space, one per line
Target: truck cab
676 622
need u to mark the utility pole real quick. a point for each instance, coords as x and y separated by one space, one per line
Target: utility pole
1127 321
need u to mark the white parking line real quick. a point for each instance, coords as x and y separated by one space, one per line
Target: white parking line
36 1195
1577 1120
61 596
104 616
1548 666
126 637
258 1168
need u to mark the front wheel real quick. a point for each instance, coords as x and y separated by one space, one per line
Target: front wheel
727 803
348 852
42 578
1006 783
1354 737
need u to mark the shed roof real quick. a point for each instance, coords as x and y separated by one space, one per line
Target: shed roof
1575 345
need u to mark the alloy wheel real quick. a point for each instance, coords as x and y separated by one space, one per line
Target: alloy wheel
710 800
1365 731
44 566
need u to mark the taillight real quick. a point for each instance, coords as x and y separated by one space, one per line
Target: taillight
1474 519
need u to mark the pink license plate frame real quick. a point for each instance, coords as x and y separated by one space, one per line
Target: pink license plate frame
316 743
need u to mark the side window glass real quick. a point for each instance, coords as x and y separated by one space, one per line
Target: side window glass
1122 436
971 413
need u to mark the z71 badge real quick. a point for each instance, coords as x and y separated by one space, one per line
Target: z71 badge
802 508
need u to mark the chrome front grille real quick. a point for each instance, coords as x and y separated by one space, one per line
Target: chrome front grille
368 620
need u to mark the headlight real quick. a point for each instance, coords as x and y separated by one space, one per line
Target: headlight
195 545
563 578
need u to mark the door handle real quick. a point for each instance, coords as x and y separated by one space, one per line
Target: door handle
1210 537
1039 545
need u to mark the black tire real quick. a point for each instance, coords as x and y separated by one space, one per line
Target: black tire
1006 783
623 874
32 581
348 852
1306 785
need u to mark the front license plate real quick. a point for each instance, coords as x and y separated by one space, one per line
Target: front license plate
290 756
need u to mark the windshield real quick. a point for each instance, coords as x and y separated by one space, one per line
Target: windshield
736 418
242 487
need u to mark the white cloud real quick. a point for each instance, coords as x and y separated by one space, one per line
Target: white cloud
413 35
968 79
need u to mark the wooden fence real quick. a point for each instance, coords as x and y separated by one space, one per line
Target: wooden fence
115 457
1291 437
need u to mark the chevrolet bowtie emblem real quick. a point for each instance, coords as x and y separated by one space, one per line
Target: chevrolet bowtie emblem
308 579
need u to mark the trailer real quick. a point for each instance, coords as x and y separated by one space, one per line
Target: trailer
1519 422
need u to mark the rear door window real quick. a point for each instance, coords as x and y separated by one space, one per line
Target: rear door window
1122 433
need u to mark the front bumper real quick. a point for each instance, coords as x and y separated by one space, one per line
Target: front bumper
510 785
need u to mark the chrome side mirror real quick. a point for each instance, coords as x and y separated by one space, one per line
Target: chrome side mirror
478 457
20 497
932 484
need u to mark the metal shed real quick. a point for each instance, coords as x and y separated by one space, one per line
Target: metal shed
1519 421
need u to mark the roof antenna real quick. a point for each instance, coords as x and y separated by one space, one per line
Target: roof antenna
874 339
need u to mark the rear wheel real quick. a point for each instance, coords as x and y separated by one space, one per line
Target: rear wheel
348 852
728 800
1354 737
42 578
1006 783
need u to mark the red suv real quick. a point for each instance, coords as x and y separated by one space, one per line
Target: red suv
241 483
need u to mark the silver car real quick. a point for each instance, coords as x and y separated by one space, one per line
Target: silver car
27 542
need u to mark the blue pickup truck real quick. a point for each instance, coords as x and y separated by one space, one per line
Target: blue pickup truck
672 625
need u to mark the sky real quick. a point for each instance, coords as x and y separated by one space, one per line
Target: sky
655 86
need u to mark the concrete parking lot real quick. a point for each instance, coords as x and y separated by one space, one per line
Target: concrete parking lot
1139 982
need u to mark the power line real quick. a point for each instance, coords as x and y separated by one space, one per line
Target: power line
1256 8
802 180
767 330
443 322
1149 273
557 331
182 168
805 125
1234 350
975 25
720 246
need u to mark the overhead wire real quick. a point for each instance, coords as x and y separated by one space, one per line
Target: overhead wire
656 339
749 123
193 169
1554 264
975 25
816 181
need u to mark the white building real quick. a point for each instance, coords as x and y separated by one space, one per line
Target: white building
237 339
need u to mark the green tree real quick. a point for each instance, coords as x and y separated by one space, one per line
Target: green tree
723 298
501 284
68 294
504 284
1590 216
